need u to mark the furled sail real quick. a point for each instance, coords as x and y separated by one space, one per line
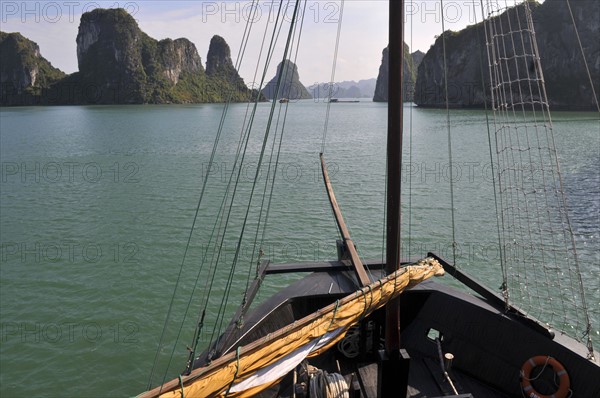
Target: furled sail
259 365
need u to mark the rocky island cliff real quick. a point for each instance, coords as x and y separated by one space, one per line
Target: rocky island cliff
120 64
24 73
409 74
290 87
563 67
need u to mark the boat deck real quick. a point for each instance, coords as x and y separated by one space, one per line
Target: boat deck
487 360
426 380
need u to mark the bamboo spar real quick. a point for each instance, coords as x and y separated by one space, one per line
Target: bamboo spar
236 371
354 258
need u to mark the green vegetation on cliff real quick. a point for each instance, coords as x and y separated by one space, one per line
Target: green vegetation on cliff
120 64
24 73
563 68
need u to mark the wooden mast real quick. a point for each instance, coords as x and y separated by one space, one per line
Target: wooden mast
394 365
394 162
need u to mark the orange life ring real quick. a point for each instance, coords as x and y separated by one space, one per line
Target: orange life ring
559 370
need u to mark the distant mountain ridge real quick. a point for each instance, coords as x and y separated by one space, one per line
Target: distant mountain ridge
120 64
347 89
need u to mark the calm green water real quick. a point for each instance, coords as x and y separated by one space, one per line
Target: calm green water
97 204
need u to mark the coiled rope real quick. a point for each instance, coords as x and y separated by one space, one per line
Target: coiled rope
328 385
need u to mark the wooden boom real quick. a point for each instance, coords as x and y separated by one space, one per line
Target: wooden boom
363 278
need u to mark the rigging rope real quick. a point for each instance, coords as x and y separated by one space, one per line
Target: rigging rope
283 127
512 162
219 219
330 95
585 63
332 79
537 70
538 245
410 149
225 299
200 199
450 163
276 165
246 129
202 314
328 385
571 245
504 287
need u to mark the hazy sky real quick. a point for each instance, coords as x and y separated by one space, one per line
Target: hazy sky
53 26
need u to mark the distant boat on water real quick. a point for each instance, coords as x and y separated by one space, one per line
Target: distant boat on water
335 100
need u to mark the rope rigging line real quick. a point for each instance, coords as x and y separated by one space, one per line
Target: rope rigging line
504 287
257 174
262 205
282 131
276 164
525 142
587 67
384 224
546 125
219 221
500 69
538 248
330 95
225 299
246 130
200 199
200 322
328 107
450 162
332 79
410 150
568 230
220 217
